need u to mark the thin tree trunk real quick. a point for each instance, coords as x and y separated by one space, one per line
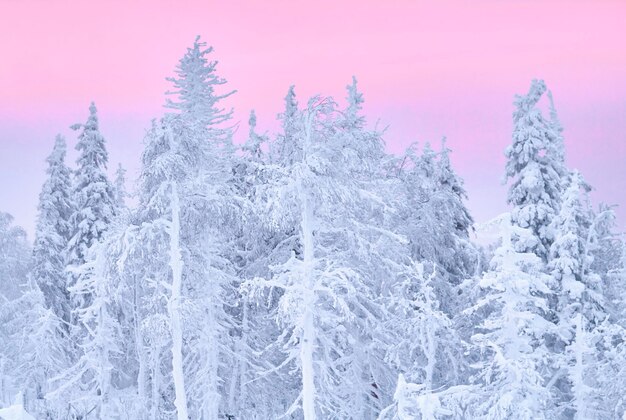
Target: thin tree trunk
173 308
307 347
156 383
577 375
213 401
141 351
237 389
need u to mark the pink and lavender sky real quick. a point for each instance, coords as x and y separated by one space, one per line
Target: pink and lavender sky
427 69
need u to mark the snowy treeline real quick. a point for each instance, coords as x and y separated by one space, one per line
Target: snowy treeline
309 275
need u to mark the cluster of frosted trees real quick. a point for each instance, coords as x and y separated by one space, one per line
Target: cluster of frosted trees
309 275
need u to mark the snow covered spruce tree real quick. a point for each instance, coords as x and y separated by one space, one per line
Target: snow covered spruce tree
186 211
254 144
605 253
15 260
120 187
44 350
535 166
567 266
450 197
511 378
34 338
542 285
34 350
427 196
588 332
515 308
567 253
86 387
610 336
94 198
415 185
286 148
331 284
53 233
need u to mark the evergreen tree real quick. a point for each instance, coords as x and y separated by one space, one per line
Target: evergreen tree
604 258
567 261
94 194
196 101
45 352
456 218
120 187
87 385
53 233
286 149
558 149
35 347
427 199
254 143
535 166
187 214
512 336
15 258
567 253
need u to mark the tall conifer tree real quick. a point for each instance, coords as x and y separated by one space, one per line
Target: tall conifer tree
535 166
93 192
53 233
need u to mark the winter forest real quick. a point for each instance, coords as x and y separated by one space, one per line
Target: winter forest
309 275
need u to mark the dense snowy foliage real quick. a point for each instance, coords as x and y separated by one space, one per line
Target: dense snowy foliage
309 275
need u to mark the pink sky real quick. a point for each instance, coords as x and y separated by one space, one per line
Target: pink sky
427 69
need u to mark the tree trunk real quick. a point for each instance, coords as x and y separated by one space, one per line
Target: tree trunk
173 308
307 347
